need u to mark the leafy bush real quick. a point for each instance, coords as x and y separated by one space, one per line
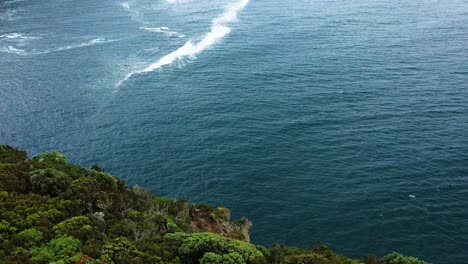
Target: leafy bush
12 155
29 237
61 248
396 258
192 247
51 156
49 181
121 250
81 227
230 258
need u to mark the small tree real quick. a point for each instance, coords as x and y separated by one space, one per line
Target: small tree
51 156
121 250
194 246
81 227
29 237
59 248
396 258
49 181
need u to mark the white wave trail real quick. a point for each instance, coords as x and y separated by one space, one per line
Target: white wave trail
17 37
164 30
11 35
83 44
13 50
219 30
21 52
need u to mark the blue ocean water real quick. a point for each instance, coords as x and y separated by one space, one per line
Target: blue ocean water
344 122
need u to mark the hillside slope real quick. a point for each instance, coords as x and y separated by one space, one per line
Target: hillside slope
52 211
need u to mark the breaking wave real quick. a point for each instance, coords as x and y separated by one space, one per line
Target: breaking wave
125 5
219 29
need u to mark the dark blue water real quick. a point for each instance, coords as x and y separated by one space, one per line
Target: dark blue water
344 122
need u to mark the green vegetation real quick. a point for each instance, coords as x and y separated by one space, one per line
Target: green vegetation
52 211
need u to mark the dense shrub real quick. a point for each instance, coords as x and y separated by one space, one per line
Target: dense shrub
192 247
61 248
395 258
49 181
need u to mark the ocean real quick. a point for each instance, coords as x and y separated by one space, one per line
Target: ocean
343 122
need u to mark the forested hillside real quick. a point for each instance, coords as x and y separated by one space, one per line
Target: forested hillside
52 211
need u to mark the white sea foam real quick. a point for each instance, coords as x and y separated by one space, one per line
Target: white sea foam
177 1
125 5
13 50
11 35
219 29
11 41
164 30
134 13
8 15
12 2
82 44
18 36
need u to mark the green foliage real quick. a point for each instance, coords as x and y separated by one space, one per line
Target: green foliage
121 250
81 227
12 155
88 260
230 258
51 157
29 237
49 181
222 213
212 258
278 253
316 255
314 258
395 258
61 248
55 212
6 230
307 259
13 162
194 246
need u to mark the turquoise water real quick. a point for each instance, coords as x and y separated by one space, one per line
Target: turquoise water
343 122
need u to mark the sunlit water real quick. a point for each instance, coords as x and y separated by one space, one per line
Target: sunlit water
344 122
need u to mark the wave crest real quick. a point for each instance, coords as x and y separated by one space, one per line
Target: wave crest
219 29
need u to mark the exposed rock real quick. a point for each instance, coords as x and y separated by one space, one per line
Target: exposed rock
99 216
217 221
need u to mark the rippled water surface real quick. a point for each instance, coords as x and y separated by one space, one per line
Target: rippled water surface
344 122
